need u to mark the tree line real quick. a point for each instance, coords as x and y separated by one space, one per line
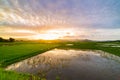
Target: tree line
7 40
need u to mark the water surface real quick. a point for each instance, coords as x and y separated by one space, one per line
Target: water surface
71 65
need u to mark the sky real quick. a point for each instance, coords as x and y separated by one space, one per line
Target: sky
60 19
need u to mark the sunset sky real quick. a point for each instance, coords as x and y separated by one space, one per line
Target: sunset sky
60 19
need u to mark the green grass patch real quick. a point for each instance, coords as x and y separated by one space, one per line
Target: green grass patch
16 52
11 75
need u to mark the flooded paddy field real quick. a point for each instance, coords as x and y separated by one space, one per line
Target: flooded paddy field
71 65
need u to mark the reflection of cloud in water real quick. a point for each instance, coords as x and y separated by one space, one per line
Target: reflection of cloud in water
109 56
94 64
51 59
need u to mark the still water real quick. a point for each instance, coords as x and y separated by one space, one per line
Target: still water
71 65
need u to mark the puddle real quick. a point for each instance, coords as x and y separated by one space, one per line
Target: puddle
115 46
69 44
111 45
71 65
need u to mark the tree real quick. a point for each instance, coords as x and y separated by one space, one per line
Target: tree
1 39
11 39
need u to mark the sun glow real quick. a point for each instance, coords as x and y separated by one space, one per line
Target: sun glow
52 35
46 36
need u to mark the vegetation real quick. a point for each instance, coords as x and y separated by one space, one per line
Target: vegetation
10 75
16 51
7 40
11 53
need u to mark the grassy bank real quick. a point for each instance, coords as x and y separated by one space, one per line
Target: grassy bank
16 51
10 75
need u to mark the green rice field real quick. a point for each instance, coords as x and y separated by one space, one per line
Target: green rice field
11 52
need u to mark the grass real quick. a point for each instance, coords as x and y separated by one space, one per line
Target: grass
13 52
17 51
10 75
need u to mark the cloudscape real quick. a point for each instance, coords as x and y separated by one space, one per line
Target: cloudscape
60 19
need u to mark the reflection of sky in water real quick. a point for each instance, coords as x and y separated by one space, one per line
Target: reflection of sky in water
110 45
72 65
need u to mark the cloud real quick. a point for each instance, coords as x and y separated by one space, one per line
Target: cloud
39 16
